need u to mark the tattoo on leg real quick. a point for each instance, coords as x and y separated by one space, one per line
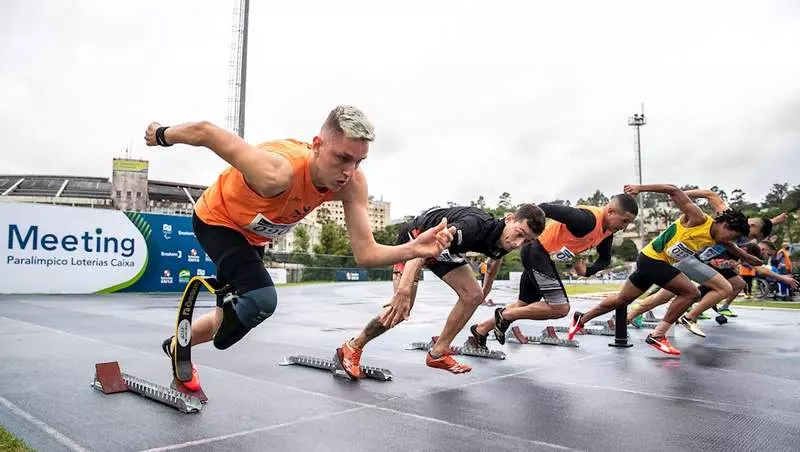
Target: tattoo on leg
374 329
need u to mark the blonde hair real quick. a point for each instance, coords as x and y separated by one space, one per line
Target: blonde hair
351 122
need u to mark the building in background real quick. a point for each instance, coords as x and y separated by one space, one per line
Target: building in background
130 189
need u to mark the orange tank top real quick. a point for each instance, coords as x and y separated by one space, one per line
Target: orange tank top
562 245
230 202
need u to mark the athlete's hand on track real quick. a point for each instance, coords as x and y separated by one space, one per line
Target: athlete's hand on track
432 242
398 311
150 134
632 190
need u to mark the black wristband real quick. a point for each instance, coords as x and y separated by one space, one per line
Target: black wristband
160 137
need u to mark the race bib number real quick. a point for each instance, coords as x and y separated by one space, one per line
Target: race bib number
265 228
711 252
679 252
562 255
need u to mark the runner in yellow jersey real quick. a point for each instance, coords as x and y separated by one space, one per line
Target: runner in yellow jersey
692 232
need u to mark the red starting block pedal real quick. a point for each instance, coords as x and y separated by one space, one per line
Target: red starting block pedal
109 377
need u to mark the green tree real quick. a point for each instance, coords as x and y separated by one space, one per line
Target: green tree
504 202
333 240
598 199
777 194
301 239
388 235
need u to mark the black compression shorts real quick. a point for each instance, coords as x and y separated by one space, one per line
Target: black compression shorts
539 277
238 262
651 271
440 266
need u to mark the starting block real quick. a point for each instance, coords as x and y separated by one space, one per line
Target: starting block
548 337
335 367
466 350
607 330
109 379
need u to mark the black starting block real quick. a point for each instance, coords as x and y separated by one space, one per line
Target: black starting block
335 367
467 349
548 337
109 379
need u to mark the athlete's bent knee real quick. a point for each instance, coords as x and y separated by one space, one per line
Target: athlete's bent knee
256 306
245 313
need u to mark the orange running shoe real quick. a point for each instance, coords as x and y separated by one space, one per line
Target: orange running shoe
169 346
350 359
447 363
662 344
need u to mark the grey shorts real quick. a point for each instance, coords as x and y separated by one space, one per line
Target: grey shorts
696 270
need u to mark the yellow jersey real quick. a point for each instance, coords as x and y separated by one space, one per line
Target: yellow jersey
678 242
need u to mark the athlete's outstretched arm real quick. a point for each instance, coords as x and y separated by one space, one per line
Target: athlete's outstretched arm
491 274
765 272
742 254
714 200
368 252
694 216
265 172
603 257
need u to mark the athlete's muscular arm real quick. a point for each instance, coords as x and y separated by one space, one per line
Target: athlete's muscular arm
578 221
742 254
369 253
267 173
694 216
764 271
603 256
491 274
714 200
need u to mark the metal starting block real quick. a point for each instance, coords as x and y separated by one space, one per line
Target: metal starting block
110 380
548 337
646 324
335 367
466 349
607 330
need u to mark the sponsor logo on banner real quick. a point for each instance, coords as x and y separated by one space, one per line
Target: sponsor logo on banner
177 254
167 231
201 272
352 276
185 233
184 275
59 249
166 277
193 257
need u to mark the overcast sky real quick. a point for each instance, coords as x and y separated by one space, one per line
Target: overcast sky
468 97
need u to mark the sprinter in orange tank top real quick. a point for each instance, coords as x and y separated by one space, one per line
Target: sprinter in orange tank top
267 190
571 231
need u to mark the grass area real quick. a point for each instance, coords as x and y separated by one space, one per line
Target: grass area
10 444
766 304
577 289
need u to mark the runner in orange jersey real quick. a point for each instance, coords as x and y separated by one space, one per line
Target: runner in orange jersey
268 189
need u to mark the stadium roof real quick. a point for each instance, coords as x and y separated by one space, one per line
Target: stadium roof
89 187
